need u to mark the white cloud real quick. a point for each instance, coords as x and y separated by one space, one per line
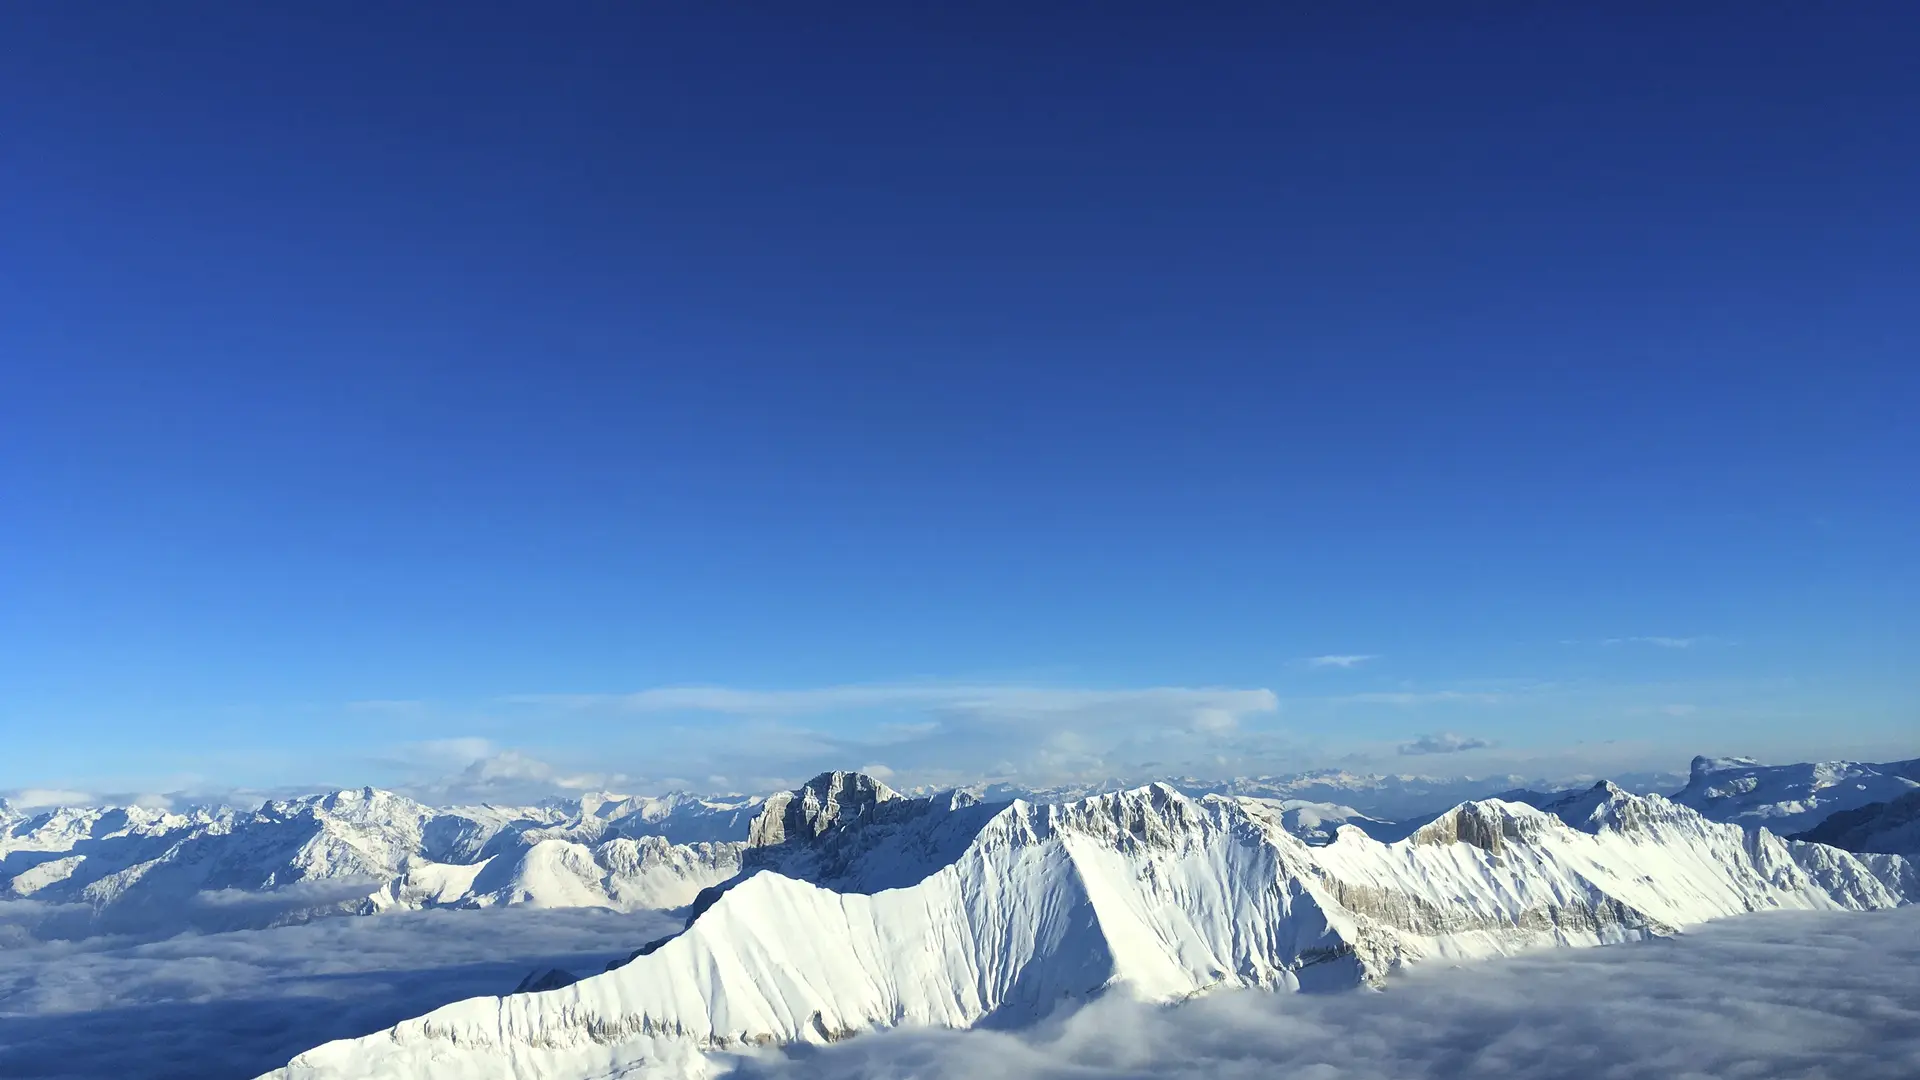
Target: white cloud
1445 742
31 798
452 753
474 769
1340 661
937 733
1763 996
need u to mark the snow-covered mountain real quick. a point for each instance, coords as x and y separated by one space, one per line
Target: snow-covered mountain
859 908
358 851
1791 798
1892 827
1384 797
135 869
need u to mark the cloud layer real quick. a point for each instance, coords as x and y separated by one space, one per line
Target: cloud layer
233 1005
1776 995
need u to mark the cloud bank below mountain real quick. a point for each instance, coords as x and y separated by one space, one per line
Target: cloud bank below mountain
231 1006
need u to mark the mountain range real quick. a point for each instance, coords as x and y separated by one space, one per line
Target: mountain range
1892 826
359 851
1791 798
134 869
857 908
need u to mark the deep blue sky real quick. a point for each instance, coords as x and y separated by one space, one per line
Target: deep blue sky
442 357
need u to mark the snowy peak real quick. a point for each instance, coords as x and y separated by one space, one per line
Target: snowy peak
1791 798
852 833
353 851
1489 825
1607 806
680 816
1156 816
826 803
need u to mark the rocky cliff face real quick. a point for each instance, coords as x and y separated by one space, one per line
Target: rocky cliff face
827 803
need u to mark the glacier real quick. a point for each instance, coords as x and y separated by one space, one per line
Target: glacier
857 909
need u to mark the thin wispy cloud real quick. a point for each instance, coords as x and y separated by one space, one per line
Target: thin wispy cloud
1341 660
934 733
964 697
1658 641
1445 742
1422 697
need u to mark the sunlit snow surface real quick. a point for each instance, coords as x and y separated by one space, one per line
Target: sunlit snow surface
1784 994
236 1004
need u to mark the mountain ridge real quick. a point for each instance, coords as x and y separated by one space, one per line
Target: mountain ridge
354 851
1147 891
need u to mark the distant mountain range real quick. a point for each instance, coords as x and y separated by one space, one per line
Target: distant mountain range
1892 826
1791 798
359 851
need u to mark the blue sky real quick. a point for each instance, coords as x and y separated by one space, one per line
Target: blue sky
646 395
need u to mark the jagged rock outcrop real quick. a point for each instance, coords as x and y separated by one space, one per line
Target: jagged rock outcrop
826 803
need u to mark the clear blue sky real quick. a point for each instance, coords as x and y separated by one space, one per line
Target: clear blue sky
437 359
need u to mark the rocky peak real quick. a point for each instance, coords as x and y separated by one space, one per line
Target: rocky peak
1489 826
820 806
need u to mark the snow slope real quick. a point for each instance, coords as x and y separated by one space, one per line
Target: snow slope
1791 798
1146 892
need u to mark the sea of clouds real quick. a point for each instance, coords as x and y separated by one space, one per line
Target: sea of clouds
233 1005
1776 995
